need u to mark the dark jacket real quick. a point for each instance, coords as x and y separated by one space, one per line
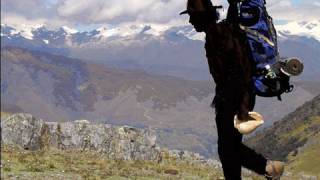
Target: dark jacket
229 64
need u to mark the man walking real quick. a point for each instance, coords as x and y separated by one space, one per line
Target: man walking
234 93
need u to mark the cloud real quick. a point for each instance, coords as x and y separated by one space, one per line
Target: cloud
115 12
286 10
31 13
162 11
20 22
29 9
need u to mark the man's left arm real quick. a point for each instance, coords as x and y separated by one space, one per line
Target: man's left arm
232 15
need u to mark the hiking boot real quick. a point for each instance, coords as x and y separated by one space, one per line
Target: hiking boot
274 170
249 124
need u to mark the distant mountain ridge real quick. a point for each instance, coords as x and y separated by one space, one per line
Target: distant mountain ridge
294 28
176 51
309 29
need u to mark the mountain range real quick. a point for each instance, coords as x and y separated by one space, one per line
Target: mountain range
176 51
137 75
310 29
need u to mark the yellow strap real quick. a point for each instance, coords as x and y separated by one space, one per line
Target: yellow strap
257 34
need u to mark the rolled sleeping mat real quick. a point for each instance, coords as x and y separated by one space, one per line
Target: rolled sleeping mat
292 67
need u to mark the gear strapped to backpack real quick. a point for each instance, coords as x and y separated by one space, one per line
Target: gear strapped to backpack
271 77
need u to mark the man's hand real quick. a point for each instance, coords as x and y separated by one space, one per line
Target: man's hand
232 15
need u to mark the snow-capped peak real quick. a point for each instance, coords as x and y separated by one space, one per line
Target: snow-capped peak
107 32
155 30
190 32
69 30
24 30
131 30
304 28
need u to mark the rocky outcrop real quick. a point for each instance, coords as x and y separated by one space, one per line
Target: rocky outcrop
116 142
125 143
22 129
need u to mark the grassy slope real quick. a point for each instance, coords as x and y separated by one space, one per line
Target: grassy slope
4 115
296 139
308 159
53 164
290 134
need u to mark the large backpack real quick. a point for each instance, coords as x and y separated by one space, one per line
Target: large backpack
269 81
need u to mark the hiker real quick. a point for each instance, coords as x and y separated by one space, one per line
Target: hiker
230 65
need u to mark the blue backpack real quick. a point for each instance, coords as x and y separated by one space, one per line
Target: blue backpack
262 40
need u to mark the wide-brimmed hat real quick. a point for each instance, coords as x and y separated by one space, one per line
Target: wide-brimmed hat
197 5
184 12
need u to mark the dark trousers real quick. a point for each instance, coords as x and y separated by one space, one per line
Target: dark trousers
232 152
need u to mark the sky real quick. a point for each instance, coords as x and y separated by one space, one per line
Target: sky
89 14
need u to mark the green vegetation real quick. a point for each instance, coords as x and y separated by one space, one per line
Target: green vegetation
307 160
291 134
17 163
5 115
53 164
304 130
295 139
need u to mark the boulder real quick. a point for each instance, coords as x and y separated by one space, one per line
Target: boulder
23 130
